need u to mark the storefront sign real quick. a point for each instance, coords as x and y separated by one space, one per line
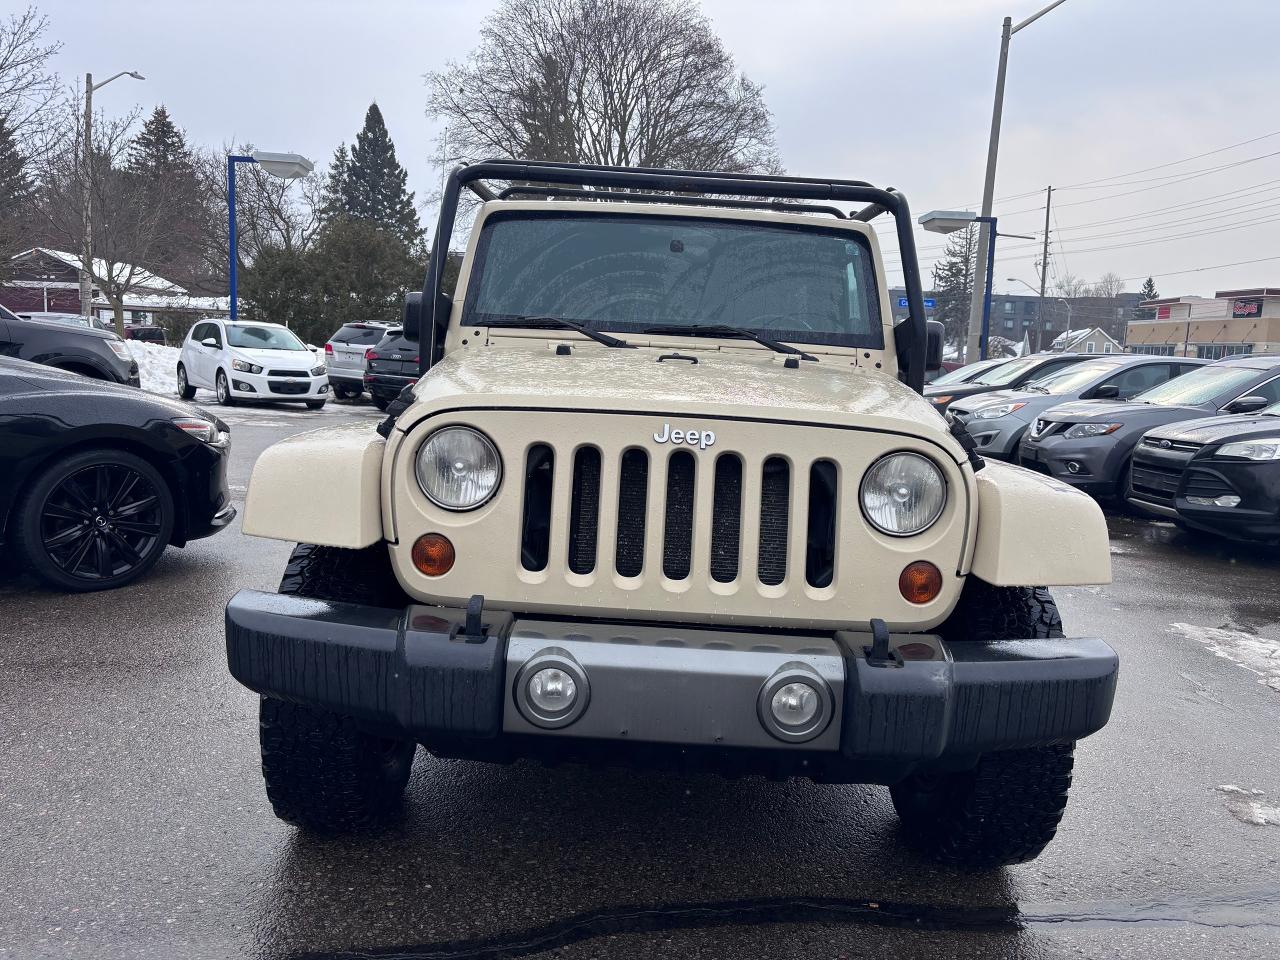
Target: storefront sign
1162 313
1251 307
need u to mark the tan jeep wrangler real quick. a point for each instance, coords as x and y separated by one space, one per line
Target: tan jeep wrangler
667 492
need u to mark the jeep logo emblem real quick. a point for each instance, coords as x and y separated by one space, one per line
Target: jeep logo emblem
694 438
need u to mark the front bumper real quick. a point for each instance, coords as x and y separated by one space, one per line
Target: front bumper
417 674
262 386
997 438
1088 464
388 386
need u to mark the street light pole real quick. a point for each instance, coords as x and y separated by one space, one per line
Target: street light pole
989 182
287 166
86 263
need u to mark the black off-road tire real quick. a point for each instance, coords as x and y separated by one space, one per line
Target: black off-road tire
1007 808
315 404
322 771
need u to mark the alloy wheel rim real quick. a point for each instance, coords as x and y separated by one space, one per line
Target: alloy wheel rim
182 380
222 388
101 522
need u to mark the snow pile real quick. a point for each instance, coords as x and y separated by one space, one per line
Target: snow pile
157 366
1246 806
1256 654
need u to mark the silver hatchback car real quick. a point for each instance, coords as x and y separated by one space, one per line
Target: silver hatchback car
344 355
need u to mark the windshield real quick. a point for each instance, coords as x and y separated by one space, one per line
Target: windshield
966 373
1006 373
1198 386
262 338
624 273
1072 379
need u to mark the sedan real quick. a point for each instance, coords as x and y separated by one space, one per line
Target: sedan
1089 443
97 479
1220 475
1009 375
250 361
998 421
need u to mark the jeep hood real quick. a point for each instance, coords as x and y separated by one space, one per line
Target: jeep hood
652 381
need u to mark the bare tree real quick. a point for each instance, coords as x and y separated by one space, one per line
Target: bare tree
627 82
1109 286
1070 286
28 90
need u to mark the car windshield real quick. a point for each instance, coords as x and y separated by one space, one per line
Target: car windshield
1006 373
627 272
966 373
1198 386
1073 378
358 335
262 338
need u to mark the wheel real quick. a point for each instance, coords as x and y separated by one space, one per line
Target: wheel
224 390
1006 809
94 521
341 392
381 402
323 772
185 390
315 404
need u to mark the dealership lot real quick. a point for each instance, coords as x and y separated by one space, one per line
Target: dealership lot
137 824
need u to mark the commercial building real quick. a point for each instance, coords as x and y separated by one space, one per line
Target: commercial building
1229 323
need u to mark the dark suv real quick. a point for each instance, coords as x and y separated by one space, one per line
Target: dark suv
390 366
68 346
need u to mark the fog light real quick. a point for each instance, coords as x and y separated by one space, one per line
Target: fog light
242 386
433 554
1073 467
920 581
551 689
1226 500
794 705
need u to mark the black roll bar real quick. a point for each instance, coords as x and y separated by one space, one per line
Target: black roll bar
910 336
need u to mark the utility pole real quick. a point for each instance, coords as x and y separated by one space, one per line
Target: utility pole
989 184
1044 271
86 262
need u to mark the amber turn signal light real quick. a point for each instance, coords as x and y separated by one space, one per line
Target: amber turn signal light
433 554
920 581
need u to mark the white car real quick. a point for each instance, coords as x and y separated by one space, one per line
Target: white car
250 361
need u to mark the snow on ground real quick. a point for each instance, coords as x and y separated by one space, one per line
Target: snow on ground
157 366
1249 806
1256 654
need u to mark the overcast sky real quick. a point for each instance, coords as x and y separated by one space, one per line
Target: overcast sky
896 93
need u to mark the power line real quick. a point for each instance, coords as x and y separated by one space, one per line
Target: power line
1174 163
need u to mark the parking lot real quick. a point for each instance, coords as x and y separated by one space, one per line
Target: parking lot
136 823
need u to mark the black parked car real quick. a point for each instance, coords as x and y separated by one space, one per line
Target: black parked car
1010 375
390 366
1089 443
1220 475
97 479
80 348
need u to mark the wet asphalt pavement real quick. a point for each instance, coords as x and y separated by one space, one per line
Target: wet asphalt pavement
133 821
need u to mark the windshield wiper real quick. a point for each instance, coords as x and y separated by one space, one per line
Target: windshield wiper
1032 386
724 330
557 323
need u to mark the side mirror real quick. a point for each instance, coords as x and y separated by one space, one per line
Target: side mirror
1246 404
412 322
935 332
208 342
1108 391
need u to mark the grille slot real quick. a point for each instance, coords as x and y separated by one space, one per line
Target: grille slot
633 490
775 510
535 524
820 552
584 510
1156 482
677 538
726 519
289 373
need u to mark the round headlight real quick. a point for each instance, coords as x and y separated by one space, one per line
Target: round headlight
903 494
458 468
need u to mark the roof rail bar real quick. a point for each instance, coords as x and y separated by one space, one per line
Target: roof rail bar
521 190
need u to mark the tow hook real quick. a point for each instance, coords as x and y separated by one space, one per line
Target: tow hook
879 654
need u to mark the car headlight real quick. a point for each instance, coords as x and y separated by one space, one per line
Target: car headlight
120 349
319 371
997 410
1078 431
205 430
903 494
1266 448
244 366
458 468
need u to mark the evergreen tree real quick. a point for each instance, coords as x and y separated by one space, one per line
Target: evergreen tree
1148 292
160 151
333 196
374 186
953 283
15 189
